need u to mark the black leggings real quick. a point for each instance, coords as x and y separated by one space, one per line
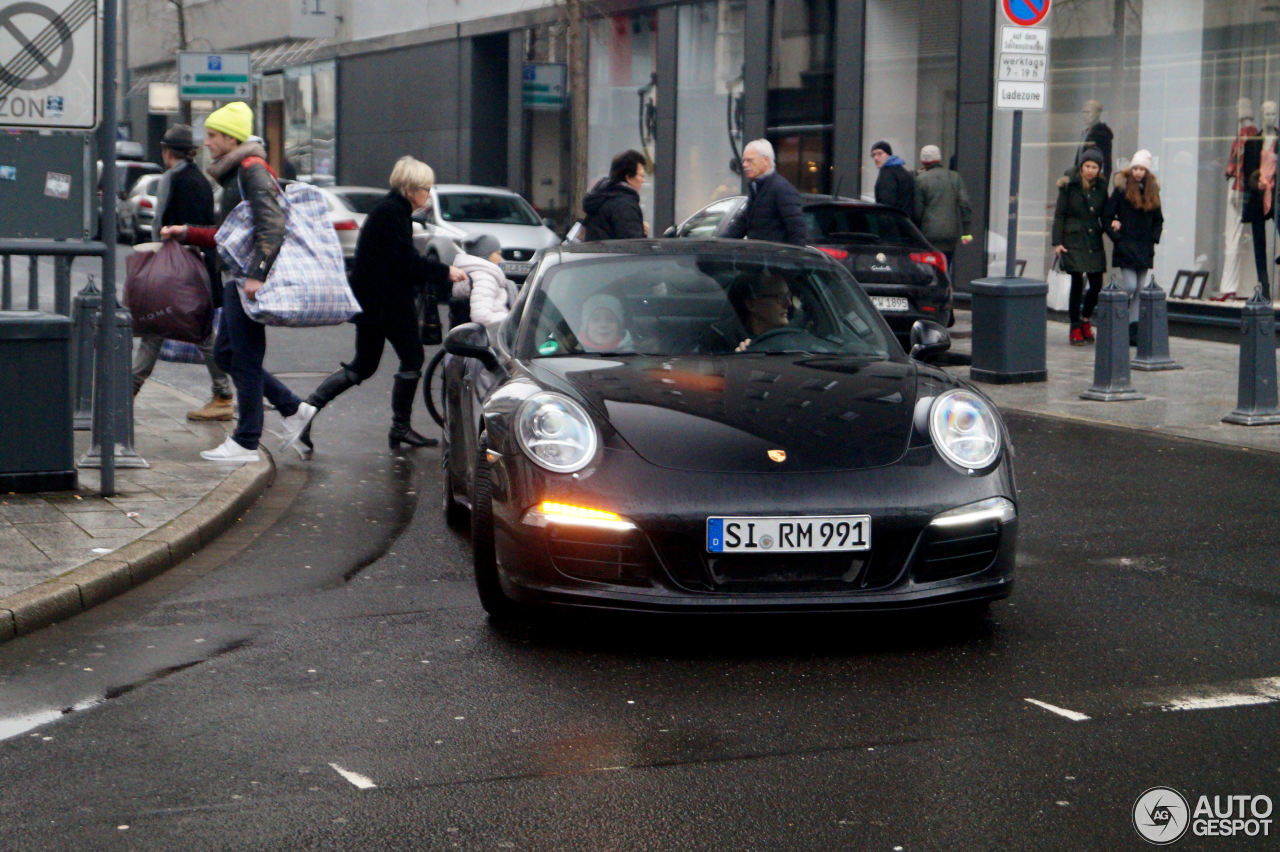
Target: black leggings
400 327
1090 298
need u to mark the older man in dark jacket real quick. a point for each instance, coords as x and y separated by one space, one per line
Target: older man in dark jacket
773 210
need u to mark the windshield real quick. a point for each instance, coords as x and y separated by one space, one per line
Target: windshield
700 305
482 207
361 202
839 223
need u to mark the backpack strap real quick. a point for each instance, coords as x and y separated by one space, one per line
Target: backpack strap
249 161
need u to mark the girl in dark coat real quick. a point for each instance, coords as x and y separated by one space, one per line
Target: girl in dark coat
1077 238
1134 222
387 275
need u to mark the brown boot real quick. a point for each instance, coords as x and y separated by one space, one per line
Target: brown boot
217 408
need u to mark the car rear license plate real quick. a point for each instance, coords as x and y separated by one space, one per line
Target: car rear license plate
816 534
511 268
890 303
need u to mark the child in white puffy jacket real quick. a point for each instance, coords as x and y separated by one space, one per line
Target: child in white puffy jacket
490 292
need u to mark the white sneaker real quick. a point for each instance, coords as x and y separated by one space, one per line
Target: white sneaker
295 423
230 451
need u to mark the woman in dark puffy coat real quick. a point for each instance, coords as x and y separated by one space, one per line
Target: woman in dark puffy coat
1134 222
1077 239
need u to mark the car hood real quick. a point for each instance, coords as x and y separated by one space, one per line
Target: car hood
727 414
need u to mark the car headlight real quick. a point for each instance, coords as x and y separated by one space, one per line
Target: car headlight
965 430
556 433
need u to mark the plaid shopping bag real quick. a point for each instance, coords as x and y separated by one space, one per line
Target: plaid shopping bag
307 284
181 352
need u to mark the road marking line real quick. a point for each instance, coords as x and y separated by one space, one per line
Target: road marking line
1061 711
1217 702
1243 693
356 779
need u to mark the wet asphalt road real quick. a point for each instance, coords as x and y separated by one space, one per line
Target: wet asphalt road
324 677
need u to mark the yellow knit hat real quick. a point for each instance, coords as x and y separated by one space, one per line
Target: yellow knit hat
235 119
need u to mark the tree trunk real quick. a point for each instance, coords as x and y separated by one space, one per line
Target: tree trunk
578 104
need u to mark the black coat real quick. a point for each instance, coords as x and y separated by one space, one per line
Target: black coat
613 212
388 270
1135 242
1077 223
772 212
190 202
896 187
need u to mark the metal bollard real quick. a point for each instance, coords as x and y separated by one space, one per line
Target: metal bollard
62 285
120 407
84 310
1111 352
1153 330
1256 399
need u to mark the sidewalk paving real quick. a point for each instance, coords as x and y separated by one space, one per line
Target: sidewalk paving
62 552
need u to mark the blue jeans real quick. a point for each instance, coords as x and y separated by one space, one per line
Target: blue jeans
240 348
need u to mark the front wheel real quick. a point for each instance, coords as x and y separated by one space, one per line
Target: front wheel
432 395
483 553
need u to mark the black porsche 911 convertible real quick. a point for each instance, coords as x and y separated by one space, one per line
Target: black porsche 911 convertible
719 426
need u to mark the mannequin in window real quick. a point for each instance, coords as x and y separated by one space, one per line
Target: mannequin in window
1254 210
1239 241
1096 135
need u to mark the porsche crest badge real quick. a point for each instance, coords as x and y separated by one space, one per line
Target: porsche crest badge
778 456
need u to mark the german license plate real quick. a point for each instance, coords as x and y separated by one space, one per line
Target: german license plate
512 268
816 534
890 303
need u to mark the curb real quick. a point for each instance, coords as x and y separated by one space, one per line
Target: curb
151 554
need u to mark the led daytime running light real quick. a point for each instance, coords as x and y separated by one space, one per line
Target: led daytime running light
994 509
551 512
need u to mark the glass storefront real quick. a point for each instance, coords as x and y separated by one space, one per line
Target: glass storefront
310 120
1195 82
709 103
622 95
909 84
801 103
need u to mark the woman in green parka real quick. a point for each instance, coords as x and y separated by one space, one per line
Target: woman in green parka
1077 239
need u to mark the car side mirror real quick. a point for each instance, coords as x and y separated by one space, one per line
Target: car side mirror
546 220
470 340
670 231
928 340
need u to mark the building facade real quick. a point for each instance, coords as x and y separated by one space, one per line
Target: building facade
1194 81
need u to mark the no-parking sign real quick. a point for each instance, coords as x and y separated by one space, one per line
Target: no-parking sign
1026 13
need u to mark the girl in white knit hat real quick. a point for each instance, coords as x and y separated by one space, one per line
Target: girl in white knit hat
1134 221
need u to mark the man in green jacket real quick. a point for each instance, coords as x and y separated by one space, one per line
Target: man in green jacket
942 204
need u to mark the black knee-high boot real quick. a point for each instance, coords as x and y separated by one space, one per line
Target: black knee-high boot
403 391
334 384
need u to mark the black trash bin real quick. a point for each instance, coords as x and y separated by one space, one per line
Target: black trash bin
37 448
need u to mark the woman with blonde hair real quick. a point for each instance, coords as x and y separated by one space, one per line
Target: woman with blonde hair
1134 222
387 275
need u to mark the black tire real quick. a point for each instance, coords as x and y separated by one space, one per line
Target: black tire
434 401
483 554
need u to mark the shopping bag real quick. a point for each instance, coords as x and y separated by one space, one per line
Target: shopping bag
179 352
167 292
307 284
1059 286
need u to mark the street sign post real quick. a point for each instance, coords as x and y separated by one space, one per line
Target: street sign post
49 65
215 76
1022 77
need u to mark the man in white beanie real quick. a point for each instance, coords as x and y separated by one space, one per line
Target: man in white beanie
942 205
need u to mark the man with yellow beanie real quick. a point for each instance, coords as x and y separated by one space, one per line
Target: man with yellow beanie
240 167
